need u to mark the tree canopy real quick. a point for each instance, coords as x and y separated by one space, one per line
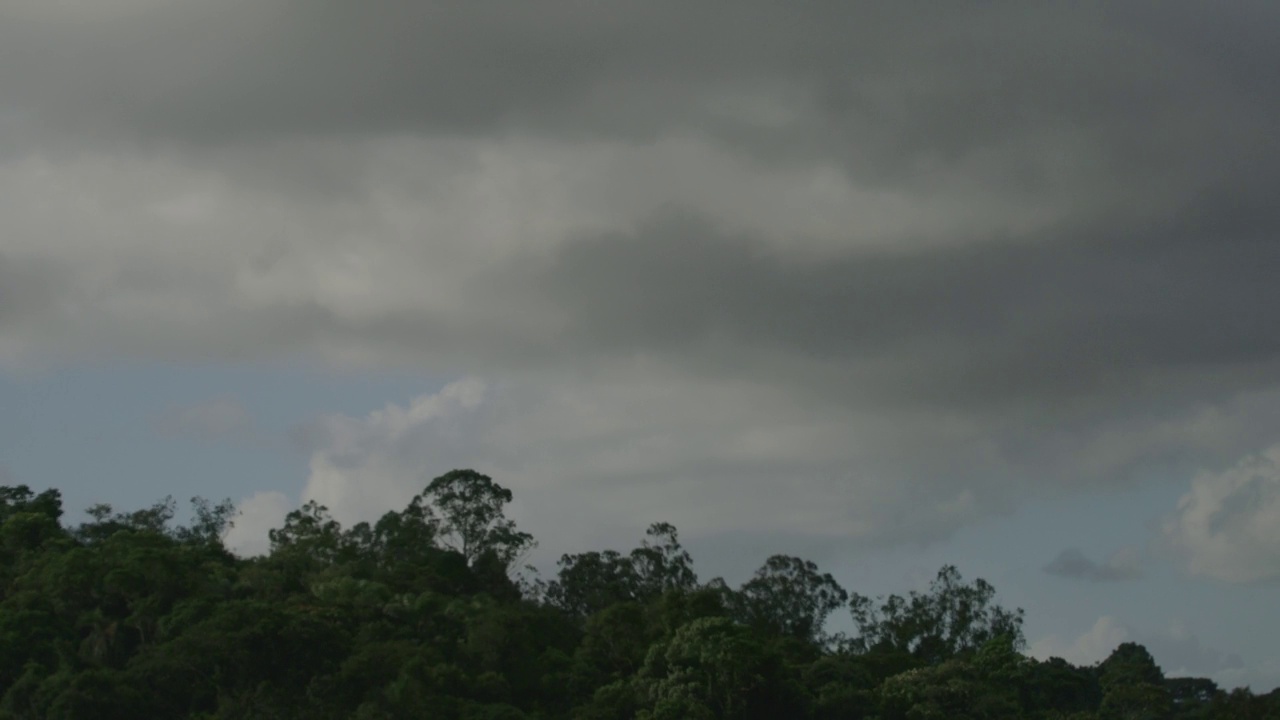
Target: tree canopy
417 615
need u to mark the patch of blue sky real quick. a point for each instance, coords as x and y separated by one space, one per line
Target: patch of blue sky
97 433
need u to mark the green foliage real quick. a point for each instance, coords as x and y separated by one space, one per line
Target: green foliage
415 615
471 517
590 582
661 564
20 499
1057 685
789 597
716 668
985 686
612 649
1133 686
309 532
210 523
952 618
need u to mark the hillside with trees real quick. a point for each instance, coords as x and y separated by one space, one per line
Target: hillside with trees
425 614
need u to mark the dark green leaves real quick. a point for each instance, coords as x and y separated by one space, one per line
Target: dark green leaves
470 506
415 616
950 619
789 597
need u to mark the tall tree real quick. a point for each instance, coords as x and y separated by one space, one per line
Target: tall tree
789 597
950 619
661 564
589 582
592 581
310 530
472 520
209 523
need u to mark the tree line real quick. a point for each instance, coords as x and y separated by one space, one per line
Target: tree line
423 614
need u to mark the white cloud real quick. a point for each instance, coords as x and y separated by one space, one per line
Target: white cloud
1092 646
363 467
1228 526
257 515
593 460
592 457
1175 648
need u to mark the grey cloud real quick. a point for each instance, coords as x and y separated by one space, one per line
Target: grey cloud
26 289
1048 318
1072 563
1088 300
258 69
878 84
1114 115
220 418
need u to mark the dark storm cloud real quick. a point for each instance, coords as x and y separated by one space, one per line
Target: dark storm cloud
1073 564
891 85
1097 310
1134 144
240 69
1146 127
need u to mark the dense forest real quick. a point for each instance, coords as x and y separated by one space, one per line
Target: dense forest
427 614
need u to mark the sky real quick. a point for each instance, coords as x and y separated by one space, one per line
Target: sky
883 285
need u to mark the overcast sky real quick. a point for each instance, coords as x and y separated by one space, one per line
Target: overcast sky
885 285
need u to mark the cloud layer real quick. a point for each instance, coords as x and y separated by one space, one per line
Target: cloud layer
903 269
